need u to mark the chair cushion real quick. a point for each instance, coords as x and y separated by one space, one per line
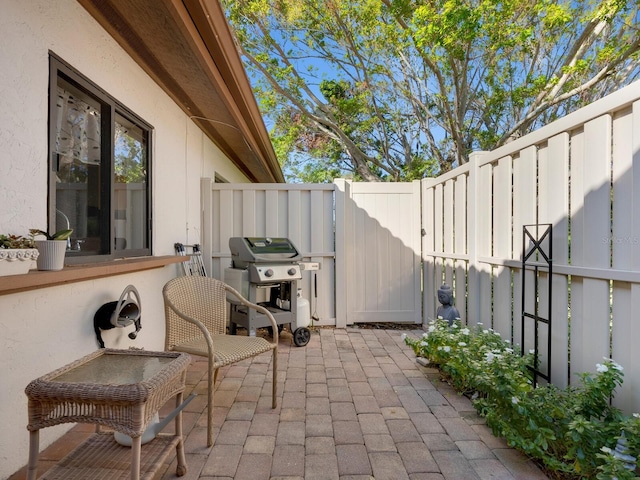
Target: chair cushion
227 349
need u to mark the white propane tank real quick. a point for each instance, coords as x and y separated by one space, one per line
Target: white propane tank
303 312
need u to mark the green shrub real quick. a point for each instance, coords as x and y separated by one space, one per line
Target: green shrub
573 432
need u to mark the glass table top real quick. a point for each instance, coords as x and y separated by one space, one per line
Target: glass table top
115 370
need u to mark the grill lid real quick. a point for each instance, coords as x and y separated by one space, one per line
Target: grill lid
250 250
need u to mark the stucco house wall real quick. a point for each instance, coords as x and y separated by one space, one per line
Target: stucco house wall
46 328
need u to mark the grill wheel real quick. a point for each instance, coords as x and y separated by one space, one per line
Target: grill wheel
301 336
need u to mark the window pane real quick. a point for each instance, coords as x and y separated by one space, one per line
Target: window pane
130 186
99 177
78 158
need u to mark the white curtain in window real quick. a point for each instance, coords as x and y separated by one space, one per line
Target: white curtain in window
77 130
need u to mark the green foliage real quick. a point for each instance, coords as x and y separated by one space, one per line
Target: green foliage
130 164
59 235
16 241
394 90
572 431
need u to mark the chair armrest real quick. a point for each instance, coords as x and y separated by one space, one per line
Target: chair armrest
256 307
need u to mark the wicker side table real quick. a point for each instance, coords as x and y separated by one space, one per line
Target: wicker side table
118 389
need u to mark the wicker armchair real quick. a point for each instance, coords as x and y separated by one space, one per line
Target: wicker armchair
196 321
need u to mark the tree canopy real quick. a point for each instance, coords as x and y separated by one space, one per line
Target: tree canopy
401 89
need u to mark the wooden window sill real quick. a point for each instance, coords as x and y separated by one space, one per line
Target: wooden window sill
78 273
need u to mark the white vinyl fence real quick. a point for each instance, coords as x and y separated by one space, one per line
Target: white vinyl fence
581 174
365 237
302 213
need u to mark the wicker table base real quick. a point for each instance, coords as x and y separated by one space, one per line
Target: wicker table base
100 456
118 389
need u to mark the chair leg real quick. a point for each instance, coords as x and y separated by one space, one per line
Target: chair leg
210 385
215 377
274 400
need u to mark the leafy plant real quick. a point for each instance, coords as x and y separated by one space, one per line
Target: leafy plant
16 241
59 235
573 432
397 90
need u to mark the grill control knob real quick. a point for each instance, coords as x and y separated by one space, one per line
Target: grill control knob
268 273
291 271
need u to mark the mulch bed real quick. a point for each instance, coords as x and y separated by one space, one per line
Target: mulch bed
387 326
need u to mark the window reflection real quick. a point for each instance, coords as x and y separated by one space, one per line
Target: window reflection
130 169
78 177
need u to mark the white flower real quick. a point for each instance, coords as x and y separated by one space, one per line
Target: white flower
489 356
514 400
605 449
485 331
508 350
532 351
446 348
464 331
480 323
455 325
440 347
424 344
462 344
601 368
404 336
497 333
507 340
615 365
440 317
432 329
637 415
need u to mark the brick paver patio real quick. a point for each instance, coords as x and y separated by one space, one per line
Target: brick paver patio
353 405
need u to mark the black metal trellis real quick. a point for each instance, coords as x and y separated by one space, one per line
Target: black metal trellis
531 232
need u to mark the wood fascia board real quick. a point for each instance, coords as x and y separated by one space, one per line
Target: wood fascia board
192 35
211 38
214 15
184 19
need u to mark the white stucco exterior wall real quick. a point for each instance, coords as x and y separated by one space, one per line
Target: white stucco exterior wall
46 328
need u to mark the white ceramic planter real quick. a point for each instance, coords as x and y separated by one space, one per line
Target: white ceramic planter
16 261
52 254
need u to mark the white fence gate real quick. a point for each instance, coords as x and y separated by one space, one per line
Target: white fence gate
378 236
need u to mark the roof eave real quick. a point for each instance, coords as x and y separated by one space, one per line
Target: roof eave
188 49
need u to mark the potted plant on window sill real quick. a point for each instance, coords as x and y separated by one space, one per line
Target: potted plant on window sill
52 250
17 255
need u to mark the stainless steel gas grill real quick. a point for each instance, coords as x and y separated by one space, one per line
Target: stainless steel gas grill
272 265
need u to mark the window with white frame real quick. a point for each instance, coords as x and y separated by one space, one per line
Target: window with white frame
99 170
